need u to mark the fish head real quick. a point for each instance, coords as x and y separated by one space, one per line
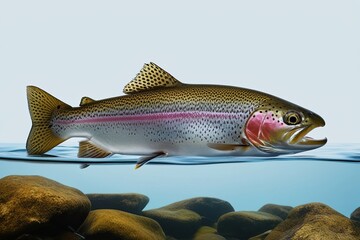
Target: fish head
280 127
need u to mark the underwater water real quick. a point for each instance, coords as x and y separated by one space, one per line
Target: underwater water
330 175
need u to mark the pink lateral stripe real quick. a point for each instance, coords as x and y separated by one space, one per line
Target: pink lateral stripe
151 117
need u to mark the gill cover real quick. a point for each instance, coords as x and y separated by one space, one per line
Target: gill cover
283 130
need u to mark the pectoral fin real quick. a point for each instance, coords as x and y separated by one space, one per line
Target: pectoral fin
84 165
145 159
89 150
226 147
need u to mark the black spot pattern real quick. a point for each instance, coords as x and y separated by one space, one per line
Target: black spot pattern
42 106
150 76
237 102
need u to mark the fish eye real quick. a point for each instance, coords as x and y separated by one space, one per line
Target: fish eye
292 118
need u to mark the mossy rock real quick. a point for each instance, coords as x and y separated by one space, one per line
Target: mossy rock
182 219
176 223
127 202
277 210
34 204
261 236
355 215
246 224
67 235
207 233
107 224
208 208
316 221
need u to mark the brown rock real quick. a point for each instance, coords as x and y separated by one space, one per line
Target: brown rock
209 208
58 236
207 233
170 238
182 219
246 224
29 237
30 204
355 215
277 210
261 236
315 221
127 202
108 224
176 223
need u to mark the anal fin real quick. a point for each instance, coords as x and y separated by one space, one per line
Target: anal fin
145 159
226 147
89 150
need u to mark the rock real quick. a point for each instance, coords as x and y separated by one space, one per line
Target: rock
28 237
176 223
246 224
127 202
58 236
170 238
31 204
108 224
261 236
181 219
66 236
209 236
277 210
207 233
355 215
209 208
316 221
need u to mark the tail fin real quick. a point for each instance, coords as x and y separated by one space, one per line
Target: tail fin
41 106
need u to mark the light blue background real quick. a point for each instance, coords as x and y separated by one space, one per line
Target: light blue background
247 186
307 52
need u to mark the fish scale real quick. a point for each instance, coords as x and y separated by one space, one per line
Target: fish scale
182 129
166 117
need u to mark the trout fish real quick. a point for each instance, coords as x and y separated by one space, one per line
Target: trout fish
160 116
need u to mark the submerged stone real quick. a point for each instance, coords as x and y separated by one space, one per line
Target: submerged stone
246 224
170 238
127 202
355 215
207 233
57 236
277 210
182 219
106 224
208 208
31 204
261 236
316 221
28 237
176 223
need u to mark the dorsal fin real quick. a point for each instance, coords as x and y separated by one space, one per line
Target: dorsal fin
151 76
85 100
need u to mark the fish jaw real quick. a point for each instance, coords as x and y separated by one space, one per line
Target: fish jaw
300 139
267 131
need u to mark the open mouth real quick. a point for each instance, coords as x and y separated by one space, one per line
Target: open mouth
299 137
